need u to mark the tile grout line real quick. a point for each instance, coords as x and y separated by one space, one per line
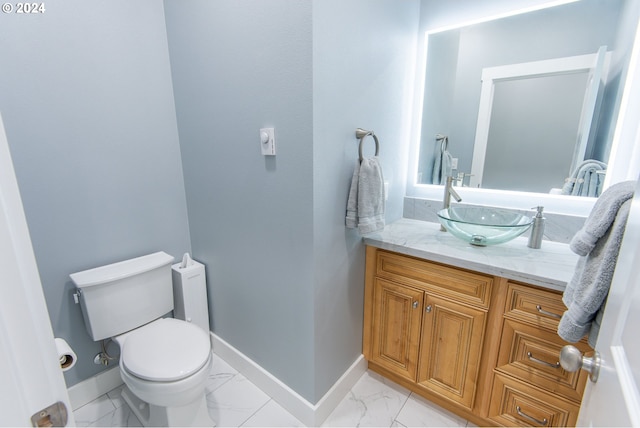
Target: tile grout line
254 413
406 400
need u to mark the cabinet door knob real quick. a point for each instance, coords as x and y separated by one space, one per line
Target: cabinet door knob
427 309
415 305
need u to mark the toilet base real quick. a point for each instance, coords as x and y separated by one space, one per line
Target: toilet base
194 414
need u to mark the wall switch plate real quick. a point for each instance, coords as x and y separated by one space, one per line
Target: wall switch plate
268 141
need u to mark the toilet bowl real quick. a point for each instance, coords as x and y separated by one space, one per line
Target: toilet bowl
164 362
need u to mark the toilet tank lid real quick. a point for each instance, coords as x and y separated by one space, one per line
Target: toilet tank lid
120 270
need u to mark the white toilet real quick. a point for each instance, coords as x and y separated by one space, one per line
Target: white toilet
164 362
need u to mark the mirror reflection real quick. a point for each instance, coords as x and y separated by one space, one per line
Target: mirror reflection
528 102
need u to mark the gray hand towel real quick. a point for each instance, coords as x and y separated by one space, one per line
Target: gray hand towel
442 164
602 216
352 203
365 207
598 242
585 180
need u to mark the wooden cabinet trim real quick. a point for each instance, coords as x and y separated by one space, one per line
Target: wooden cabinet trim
458 284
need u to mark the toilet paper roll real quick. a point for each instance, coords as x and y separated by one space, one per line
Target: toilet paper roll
65 354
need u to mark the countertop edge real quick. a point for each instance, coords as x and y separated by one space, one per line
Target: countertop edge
550 267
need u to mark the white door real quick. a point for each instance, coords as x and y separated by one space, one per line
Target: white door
614 400
30 375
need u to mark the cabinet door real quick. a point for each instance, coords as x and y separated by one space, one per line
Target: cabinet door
451 344
397 312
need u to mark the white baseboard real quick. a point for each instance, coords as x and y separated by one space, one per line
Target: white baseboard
88 390
308 413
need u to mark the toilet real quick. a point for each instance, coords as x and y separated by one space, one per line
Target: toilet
164 362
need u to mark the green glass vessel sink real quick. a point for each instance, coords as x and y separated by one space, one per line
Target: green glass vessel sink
483 226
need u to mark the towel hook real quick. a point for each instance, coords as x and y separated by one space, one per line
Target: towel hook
361 134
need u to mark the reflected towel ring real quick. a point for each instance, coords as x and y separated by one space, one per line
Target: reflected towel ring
362 134
445 141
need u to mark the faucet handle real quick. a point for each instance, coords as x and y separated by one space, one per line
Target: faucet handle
460 178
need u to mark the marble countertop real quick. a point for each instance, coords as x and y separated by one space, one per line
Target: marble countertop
550 266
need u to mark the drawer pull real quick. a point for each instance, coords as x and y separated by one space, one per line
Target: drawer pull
544 363
551 314
542 422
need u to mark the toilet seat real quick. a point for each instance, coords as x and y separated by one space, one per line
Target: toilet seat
165 350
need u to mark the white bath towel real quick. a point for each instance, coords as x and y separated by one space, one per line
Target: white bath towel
598 244
365 207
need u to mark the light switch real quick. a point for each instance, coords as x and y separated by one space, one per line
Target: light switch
268 141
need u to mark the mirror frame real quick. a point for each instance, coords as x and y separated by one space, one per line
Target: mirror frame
624 160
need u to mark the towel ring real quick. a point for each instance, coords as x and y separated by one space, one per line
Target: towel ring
362 134
444 139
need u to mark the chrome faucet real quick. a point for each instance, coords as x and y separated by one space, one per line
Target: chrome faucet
448 192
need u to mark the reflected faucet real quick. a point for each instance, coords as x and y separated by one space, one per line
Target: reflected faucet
448 192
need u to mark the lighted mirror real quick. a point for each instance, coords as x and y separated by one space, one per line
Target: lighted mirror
528 102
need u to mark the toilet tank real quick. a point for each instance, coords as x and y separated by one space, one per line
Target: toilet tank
122 296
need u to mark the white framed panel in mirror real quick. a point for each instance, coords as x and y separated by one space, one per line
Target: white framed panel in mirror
562 95
623 160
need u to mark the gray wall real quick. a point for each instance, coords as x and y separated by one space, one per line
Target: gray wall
238 67
285 277
616 78
363 63
86 97
95 142
513 40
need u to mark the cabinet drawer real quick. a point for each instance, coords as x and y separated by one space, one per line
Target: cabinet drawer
516 404
542 308
532 355
456 284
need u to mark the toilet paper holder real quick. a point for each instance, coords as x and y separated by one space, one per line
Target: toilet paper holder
66 357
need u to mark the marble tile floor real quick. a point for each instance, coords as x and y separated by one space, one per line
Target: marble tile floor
235 402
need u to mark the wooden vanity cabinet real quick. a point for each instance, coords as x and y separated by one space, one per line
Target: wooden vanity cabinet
425 325
480 346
